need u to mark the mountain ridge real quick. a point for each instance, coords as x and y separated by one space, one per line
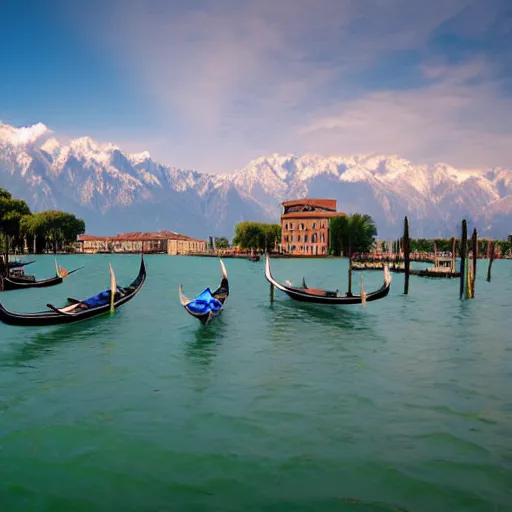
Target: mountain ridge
117 191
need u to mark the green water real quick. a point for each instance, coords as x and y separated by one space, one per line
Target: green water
406 405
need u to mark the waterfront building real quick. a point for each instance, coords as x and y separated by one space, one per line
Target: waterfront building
161 242
305 226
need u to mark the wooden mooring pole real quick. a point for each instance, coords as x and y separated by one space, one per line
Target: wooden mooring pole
474 241
406 246
491 259
349 291
463 244
454 251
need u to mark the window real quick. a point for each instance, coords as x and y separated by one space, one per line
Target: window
306 238
314 225
286 227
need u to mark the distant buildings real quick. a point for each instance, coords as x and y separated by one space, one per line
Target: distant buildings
163 242
305 226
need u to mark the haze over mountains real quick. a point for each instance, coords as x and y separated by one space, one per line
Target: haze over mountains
114 191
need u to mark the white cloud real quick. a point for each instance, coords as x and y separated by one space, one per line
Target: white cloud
231 79
461 117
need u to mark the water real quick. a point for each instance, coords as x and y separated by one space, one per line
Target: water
406 405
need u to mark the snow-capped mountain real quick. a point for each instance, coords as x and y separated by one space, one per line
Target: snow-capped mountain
115 191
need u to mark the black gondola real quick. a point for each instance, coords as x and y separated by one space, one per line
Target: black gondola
254 259
77 310
317 296
207 305
19 281
19 264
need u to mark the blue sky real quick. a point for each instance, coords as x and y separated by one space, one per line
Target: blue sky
212 84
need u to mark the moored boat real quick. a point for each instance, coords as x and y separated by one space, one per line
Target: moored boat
207 305
20 281
319 296
76 310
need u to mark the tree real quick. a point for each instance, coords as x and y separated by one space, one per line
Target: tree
11 213
352 233
56 228
221 242
257 235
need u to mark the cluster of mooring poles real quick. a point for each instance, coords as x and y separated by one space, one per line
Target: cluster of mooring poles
467 264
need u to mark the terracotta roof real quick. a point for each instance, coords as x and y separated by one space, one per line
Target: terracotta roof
312 215
137 236
323 203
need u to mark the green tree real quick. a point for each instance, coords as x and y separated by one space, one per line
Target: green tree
56 228
11 213
221 242
352 233
257 235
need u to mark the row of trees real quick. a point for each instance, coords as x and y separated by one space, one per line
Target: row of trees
50 230
257 235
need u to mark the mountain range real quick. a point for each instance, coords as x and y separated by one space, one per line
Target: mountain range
115 191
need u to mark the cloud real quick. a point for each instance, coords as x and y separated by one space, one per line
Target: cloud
231 79
461 117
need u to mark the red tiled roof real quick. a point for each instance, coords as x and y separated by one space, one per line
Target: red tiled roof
323 203
312 215
137 236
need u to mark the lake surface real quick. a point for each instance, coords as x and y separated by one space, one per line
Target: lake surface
406 405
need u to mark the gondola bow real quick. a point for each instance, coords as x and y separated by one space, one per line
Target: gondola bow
207 305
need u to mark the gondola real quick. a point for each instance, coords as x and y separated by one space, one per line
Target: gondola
77 310
14 264
207 305
317 296
20 281
19 264
254 259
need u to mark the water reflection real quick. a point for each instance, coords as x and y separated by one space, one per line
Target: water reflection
46 341
205 343
337 317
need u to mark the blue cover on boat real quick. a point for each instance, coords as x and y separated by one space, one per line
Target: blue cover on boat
101 299
204 303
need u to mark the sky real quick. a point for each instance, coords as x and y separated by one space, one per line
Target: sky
213 84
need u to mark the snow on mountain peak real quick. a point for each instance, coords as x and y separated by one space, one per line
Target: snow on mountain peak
85 148
100 177
138 158
51 146
22 136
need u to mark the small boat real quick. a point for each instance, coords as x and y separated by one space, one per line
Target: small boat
317 296
207 305
14 264
254 257
77 310
17 280
19 264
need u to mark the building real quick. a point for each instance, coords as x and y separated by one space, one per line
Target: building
162 242
305 226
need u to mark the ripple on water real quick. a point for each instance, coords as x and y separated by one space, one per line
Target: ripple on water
402 406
